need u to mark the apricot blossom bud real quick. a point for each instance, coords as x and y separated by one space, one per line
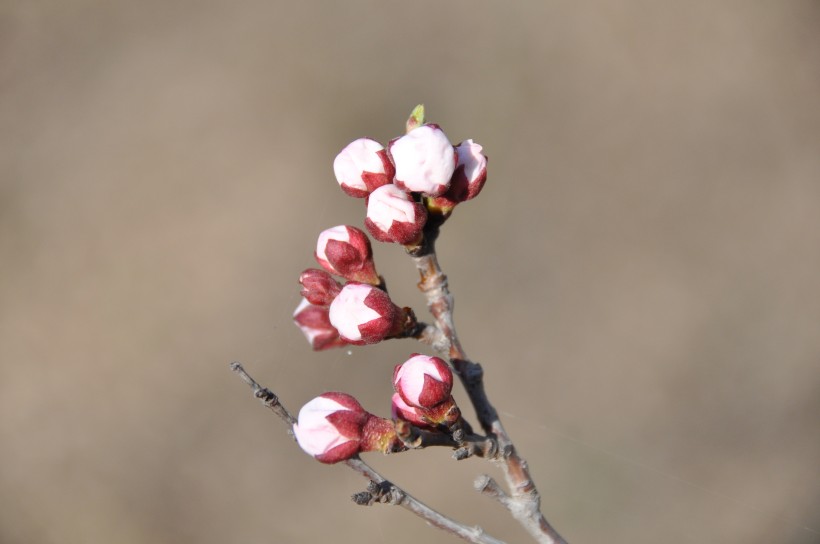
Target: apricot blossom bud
424 159
393 216
319 287
364 314
314 322
468 178
423 381
363 166
334 427
402 410
346 252
330 426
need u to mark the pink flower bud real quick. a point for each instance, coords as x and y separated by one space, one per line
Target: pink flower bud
468 178
439 417
363 166
424 160
345 251
314 321
423 381
402 410
319 287
330 426
471 172
393 216
364 314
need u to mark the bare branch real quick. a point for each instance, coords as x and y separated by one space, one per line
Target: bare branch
485 485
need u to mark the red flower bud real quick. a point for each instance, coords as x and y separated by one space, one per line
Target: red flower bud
468 179
314 322
402 410
345 251
393 216
334 427
364 314
423 381
319 287
362 167
329 427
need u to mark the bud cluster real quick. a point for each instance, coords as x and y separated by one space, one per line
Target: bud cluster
414 176
333 426
358 312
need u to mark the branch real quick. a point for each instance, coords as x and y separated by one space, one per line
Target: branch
464 444
382 490
524 501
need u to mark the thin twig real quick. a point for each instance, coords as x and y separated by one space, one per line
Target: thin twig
465 444
265 395
524 501
396 495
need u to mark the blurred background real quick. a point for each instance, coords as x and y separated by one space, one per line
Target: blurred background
639 277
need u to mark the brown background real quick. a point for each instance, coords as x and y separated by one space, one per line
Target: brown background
639 277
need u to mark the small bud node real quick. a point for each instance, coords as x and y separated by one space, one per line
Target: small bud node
362 498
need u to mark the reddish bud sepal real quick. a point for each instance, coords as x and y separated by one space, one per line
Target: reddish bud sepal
330 427
362 167
364 314
424 159
468 179
319 287
379 434
402 410
393 216
314 322
346 252
423 381
443 416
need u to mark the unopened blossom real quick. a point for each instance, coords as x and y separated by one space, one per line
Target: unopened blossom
468 178
346 252
393 216
424 159
445 415
314 322
364 314
329 427
334 427
319 287
363 166
402 410
423 381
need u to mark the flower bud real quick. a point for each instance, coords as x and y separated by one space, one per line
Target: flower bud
423 381
468 178
443 416
330 426
364 314
319 287
345 251
402 410
334 427
393 216
363 166
424 160
314 321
